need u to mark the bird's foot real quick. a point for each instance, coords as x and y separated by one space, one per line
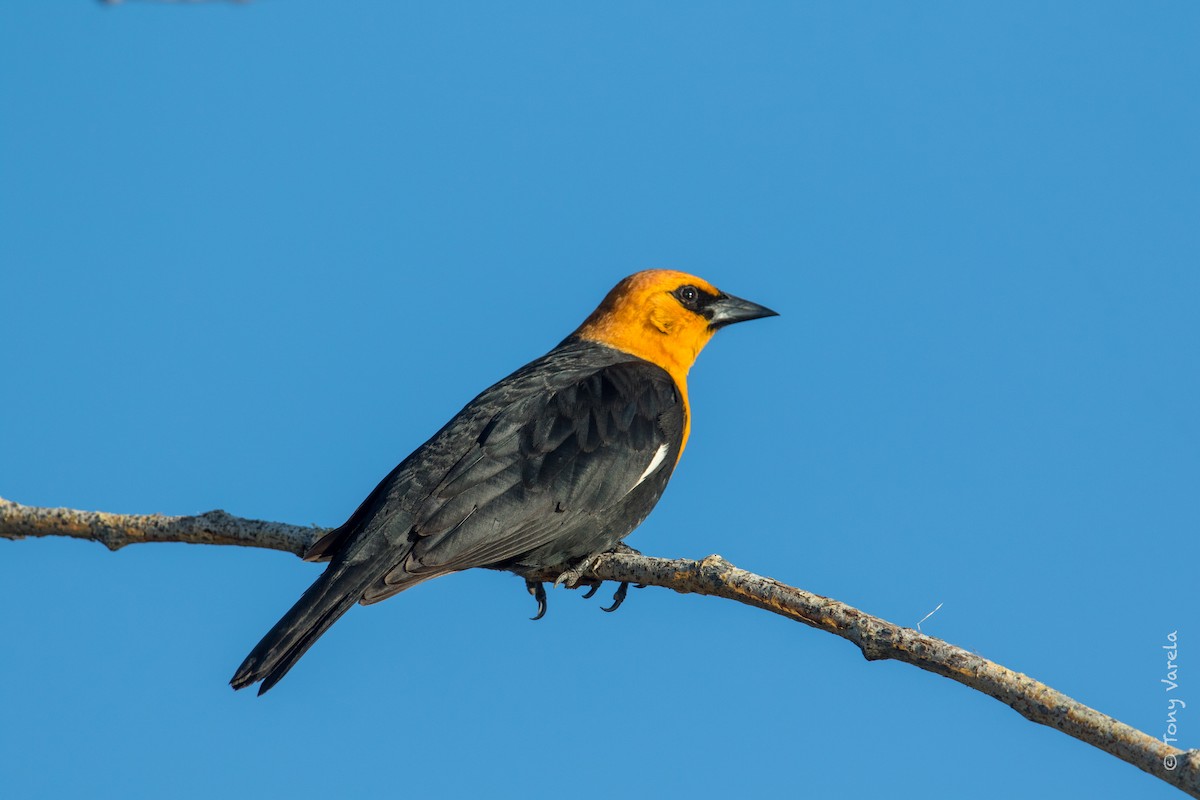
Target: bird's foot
571 577
538 590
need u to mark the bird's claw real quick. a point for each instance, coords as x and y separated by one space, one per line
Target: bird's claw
573 579
618 597
569 578
538 590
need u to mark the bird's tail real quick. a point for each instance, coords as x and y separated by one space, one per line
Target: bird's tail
330 596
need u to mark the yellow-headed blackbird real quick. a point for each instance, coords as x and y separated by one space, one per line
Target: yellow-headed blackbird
547 469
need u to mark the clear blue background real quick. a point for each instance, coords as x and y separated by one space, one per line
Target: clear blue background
252 255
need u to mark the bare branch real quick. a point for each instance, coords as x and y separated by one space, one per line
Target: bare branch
879 639
114 531
875 637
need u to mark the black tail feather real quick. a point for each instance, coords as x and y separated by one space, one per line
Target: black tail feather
326 600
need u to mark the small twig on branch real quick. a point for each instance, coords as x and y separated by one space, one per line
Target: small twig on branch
875 637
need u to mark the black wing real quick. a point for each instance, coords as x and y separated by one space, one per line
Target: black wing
552 478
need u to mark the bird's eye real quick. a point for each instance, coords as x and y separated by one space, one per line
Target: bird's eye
688 295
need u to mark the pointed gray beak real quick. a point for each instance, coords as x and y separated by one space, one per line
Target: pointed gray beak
729 309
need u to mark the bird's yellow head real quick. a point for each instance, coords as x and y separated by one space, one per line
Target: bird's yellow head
665 317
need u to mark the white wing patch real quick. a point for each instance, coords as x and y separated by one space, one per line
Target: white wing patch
659 455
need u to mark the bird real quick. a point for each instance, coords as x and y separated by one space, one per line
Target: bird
538 475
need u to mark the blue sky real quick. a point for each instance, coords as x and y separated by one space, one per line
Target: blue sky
252 255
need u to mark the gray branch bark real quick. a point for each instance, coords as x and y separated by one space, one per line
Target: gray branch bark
878 639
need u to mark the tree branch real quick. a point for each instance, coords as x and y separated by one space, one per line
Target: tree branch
875 637
114 531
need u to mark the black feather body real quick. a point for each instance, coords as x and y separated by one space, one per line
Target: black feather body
555 463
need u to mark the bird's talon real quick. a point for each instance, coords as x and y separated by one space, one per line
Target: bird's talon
594 588
570 578
618 597
538 590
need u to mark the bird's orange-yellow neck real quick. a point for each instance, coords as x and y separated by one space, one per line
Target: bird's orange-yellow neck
642 317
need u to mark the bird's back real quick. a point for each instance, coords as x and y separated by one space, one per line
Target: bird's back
556 462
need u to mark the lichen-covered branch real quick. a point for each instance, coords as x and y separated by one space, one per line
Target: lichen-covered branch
879 639
114 531
875 637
